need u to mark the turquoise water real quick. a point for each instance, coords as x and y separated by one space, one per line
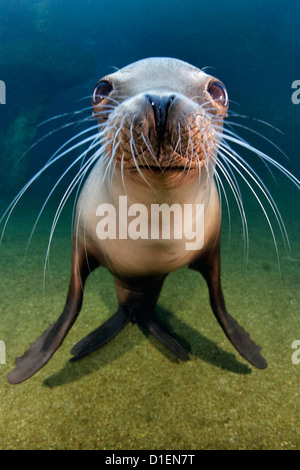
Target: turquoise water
51 55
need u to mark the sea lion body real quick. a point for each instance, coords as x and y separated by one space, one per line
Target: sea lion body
143 257
168 78
160 122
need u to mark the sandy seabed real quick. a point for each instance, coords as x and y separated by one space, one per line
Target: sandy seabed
133 394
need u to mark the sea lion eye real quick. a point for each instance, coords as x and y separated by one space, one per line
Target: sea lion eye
218 92
101 90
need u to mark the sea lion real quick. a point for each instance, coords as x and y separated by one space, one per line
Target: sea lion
160 123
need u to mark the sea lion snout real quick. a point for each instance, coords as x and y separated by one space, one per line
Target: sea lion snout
160 105
161 130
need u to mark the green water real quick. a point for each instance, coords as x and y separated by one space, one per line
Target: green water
133 394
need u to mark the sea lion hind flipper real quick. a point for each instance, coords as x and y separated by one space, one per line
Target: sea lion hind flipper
99 337
160 333
43 348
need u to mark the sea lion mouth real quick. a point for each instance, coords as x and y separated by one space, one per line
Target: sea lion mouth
162 163
163 171
186 144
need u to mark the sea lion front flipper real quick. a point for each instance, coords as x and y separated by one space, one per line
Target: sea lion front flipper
43 348
102 335
240 339
166 339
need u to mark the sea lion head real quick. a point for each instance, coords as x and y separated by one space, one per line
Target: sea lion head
160 114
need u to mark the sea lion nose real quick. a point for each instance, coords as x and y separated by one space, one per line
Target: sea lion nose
160 105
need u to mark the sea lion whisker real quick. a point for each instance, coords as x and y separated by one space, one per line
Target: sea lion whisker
103 161
177 144
6 215
64 199
82 178
204 106
221 189
107 106
207 157
122 174
230 171
55 186
84 168
145 162
197 97
109 161
232 123
76 123
199 169
109 165
112 168
249 170
106 163
236 154
231 132
150 149
86 97
234 114
78 177
45 136
79 134
179 133
226 170
132 148
90 97
200 164
260 203
64 115
263 155
175 150
187 151
112 100
103 114
56 156
118 130
79 184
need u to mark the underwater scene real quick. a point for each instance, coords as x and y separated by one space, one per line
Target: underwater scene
165 367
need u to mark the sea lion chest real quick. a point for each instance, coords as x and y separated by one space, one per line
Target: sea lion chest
135 230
